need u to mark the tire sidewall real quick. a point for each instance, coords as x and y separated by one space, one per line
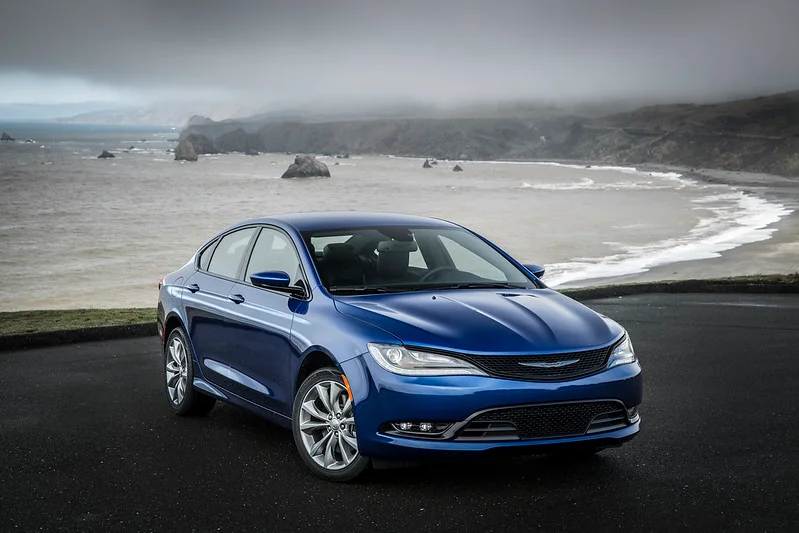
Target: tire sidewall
350 471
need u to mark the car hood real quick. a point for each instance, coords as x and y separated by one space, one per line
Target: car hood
484 321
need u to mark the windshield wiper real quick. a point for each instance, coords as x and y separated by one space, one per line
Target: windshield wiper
473 285
362 290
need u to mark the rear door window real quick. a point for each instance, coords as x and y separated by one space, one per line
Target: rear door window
230 252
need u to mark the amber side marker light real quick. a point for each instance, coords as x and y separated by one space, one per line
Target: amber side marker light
347 384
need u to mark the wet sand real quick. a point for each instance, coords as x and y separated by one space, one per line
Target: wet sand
777 255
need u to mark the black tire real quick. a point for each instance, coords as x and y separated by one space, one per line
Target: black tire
339 433
191 402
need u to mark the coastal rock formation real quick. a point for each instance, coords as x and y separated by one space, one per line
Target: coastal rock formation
105 155
457 168
250 151
198 120
755 135
6 137
238 140
427 164
306 166
185 152
201 144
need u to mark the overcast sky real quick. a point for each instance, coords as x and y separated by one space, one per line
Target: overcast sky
297 51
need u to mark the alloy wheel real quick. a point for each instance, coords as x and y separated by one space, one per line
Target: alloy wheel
327 426
177 370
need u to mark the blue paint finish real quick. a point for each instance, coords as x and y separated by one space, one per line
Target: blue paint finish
252 352
204 386
485 321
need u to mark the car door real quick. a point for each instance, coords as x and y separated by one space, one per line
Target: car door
263 349
209 311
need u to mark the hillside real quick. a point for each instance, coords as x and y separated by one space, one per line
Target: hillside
759 135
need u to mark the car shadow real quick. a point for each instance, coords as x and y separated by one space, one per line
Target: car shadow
542 470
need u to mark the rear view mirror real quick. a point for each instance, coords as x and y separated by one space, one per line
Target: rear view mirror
536 270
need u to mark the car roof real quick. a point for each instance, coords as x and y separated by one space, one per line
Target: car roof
328 220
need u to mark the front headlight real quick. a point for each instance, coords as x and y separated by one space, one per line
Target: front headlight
623 353
400 360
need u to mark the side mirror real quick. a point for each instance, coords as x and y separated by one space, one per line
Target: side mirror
272 279
276 280
536 270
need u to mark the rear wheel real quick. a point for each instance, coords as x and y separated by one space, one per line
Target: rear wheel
184 399
323 424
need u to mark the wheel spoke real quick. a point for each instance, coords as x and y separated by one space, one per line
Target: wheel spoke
172 380
334 397
314 451
310 408
329 457
324 396
173 366
342 446
349 440
312 425
346 411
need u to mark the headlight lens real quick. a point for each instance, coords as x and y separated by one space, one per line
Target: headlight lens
623 353
400 360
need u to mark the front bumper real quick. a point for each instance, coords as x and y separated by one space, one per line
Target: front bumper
381 397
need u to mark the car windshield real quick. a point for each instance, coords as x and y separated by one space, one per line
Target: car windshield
399 259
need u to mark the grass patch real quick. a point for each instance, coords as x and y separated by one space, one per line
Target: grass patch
23 322
755 284
26 322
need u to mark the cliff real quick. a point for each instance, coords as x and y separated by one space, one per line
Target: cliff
758 135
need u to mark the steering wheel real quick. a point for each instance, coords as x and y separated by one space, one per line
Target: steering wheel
436 271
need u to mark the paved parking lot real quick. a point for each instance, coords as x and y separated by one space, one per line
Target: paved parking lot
87 442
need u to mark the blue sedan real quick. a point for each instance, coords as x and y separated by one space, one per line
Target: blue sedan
383 339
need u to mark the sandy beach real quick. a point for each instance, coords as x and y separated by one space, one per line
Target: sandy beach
776 255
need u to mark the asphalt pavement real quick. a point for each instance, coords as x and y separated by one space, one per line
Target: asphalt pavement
87 442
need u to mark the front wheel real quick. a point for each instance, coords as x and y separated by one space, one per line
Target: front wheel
323 424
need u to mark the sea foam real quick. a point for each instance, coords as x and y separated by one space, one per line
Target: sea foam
737 218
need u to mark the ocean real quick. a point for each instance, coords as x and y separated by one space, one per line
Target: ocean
77 231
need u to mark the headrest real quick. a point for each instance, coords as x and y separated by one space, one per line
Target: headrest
339 252
397 246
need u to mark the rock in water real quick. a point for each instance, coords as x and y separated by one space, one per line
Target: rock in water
250 151
185 152
427 164
306 166
105 155
457 168
6 137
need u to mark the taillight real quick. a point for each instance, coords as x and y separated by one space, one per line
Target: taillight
160 283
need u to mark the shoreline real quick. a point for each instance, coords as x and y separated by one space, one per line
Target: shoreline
777 254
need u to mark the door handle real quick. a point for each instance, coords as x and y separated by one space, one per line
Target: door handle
193 287
236 298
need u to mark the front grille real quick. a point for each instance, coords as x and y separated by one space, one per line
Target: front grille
518 366
545 421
